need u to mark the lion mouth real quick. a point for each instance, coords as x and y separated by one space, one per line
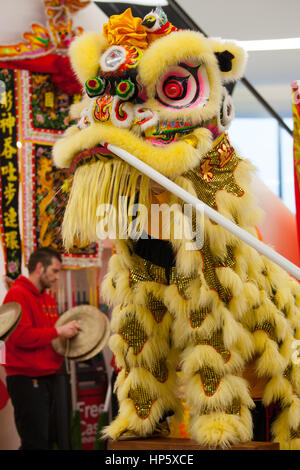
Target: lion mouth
167 132
163 134
158 135
136 118
188 141
91 155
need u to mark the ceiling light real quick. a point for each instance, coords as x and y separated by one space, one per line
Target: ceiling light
271 44
150 3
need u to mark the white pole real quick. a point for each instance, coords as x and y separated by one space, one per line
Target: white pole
208 211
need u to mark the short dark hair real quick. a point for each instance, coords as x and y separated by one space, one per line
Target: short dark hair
42 255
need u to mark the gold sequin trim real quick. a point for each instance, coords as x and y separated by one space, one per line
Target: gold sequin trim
137 276
234 408
284 310
197 317
159 370
182 282
268 328
210 380
295 433
219 164
216 341
144 270
215 173
209 271
287 373
156 307
228 261
127 368
142 401
133 333
156 273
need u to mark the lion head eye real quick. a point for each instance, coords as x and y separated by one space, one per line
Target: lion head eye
175 88
183 86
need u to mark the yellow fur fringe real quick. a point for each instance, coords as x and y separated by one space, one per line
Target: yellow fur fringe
97 185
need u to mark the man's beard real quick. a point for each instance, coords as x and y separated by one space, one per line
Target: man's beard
45 283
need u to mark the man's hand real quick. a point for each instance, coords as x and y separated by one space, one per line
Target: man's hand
69 329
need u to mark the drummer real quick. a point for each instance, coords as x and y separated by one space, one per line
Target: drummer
31 362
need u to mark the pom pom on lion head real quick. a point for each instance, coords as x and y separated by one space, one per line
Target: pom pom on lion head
151 89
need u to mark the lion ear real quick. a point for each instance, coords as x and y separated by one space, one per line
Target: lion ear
84 53
231 59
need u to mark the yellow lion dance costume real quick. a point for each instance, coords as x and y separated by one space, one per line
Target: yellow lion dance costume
158 93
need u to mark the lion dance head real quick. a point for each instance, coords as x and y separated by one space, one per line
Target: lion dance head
151 89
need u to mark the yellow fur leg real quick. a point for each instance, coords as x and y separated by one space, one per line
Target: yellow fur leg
147 383
144 397
218 398
221 430
288 438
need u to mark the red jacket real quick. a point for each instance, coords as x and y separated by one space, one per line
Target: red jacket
28 348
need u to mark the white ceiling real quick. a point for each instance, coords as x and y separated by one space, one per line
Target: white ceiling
270 72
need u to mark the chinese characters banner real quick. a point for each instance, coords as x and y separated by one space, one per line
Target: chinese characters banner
43 117
34 113
9 181
50 202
